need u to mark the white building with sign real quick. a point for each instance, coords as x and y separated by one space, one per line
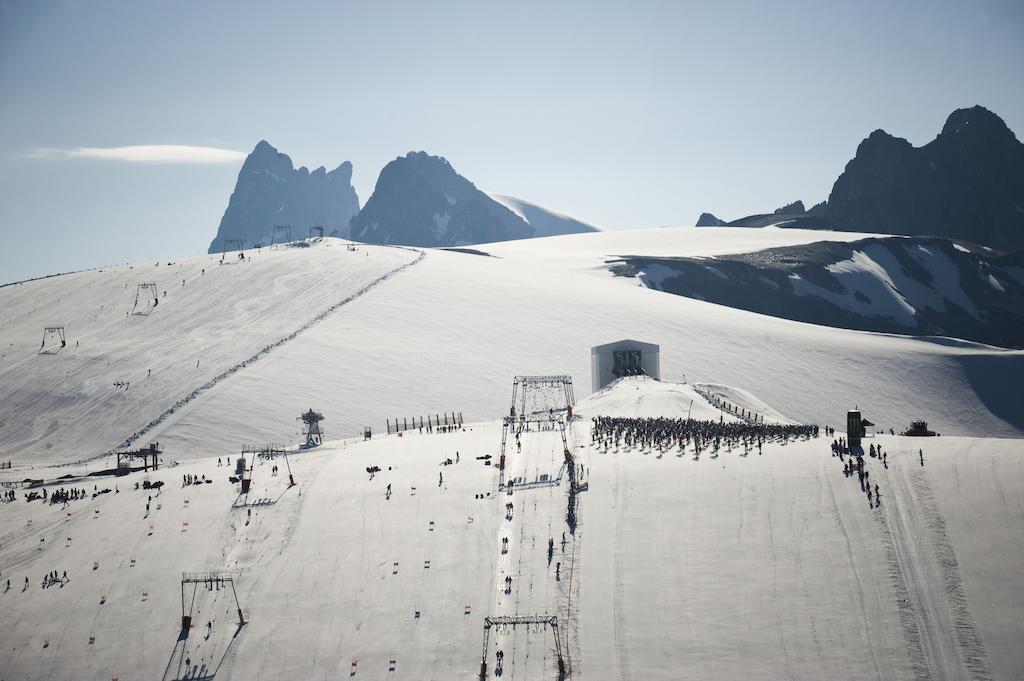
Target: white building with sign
623 358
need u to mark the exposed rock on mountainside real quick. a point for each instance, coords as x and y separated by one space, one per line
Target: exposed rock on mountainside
270 191
918 286
709 220
420 200
967 183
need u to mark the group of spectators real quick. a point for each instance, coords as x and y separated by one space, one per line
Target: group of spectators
665 433
65 496
853 464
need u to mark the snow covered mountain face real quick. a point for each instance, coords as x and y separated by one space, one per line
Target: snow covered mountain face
420 200
545 222
920 286
270 191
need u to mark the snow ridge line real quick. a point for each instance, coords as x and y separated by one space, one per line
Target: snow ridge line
260 354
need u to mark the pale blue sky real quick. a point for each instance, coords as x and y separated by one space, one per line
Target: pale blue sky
628 114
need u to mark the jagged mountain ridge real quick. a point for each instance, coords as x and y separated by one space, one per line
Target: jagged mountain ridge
271 191
419 200
967 183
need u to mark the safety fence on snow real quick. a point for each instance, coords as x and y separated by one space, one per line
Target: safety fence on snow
430 422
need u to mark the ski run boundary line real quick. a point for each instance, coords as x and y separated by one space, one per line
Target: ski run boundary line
260 354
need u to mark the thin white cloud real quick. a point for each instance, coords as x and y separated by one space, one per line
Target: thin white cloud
144 153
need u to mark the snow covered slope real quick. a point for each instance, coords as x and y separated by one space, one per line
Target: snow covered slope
438 337
641 396
545 221
774 566
726 564
120 370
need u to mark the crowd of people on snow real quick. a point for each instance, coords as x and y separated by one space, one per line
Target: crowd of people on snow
853 464
665 433
189 479
52 579
439 427
65 496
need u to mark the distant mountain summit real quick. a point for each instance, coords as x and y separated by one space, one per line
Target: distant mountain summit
420 200
709 220
270 191
790 215
967 183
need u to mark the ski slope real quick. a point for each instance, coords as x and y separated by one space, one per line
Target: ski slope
120 370
380 333
644 397
457 324
726 565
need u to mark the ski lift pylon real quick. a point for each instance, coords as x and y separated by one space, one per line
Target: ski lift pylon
54 334
146 299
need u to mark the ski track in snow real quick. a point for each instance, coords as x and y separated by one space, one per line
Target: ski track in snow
259 355
838 516
950 647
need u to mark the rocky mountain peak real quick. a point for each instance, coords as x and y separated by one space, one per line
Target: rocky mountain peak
271 191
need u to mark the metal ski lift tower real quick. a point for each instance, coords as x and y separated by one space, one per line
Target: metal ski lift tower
536 399
216 579
54 334
512 621
146 299
230 246
314 436
536 395
282 235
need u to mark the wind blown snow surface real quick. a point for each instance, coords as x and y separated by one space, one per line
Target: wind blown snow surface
722 565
